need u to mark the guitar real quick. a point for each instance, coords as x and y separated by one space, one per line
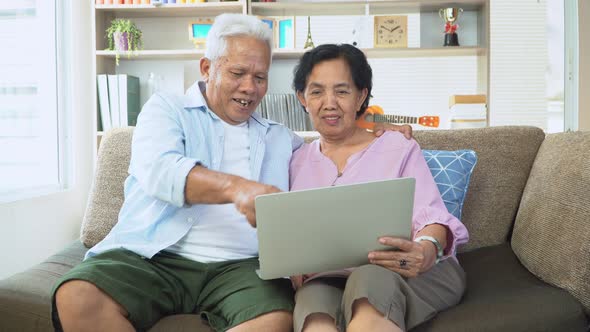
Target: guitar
374 114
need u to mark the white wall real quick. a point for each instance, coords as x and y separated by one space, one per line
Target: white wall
33 229
584 84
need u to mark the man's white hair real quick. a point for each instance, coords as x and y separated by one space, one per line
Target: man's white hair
230 25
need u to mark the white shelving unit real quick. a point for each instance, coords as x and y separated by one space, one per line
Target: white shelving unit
165 29
103 14
355 7
166 43
295 54
173 10
154 54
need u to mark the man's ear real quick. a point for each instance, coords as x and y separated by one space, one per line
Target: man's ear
302 100
205 66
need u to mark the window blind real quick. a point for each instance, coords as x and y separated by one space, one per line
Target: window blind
518 63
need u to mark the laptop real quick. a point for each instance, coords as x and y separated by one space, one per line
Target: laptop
330 228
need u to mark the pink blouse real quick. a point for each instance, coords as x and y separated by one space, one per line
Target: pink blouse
387 157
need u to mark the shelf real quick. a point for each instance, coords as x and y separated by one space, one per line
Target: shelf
202 9
415 52
355 7
156 55
169 53
295 54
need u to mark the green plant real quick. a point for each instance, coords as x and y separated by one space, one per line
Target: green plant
128 29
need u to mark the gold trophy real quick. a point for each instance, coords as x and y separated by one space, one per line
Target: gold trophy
450 16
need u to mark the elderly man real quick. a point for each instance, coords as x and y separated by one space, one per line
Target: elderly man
185 241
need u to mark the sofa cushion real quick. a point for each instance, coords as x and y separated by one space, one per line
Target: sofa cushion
25 298
106 195
504 159
502 295
451 171
552 230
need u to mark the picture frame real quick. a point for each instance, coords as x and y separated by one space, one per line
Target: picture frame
198 30
286 32
272 24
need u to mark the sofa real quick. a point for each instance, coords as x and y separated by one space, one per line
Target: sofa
527 210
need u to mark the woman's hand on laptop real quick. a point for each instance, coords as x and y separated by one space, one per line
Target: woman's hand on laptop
408 260
297 281
244 193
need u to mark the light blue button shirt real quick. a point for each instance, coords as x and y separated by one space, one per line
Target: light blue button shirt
173 134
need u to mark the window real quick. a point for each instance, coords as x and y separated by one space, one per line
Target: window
527 77
31 135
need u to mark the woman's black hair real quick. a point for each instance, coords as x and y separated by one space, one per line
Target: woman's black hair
362 74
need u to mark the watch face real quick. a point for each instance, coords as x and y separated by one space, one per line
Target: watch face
391 31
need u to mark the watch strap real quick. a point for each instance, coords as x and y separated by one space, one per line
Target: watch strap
439 248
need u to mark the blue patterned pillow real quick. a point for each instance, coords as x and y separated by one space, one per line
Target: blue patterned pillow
451 171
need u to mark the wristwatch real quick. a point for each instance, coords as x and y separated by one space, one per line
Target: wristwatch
439 248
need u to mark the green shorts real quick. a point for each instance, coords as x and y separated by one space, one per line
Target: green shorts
225 294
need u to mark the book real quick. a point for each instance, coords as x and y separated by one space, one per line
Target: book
98 118
467 111
129 107
466 99
103 101
113 81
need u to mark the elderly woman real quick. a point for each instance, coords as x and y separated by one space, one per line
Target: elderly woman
398 289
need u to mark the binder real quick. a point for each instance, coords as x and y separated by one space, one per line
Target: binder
103 101
129 107
113 82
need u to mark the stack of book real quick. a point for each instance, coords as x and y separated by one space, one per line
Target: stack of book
285 108
467 111
118 101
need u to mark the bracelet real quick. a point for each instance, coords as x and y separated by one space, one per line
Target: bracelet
439 248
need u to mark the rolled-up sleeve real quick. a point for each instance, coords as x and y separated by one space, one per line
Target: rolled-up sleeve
158 158
429 207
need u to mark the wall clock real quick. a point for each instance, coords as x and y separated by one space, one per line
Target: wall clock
391 31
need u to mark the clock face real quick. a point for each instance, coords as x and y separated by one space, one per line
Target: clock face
391 31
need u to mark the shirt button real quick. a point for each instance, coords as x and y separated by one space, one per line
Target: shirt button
189 219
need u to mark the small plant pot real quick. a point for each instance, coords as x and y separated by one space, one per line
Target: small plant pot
120 41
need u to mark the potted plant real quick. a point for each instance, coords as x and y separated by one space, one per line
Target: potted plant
123 36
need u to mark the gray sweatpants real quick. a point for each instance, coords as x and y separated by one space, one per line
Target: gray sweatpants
406 302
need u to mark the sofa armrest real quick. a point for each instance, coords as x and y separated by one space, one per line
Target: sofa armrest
551 235
25 298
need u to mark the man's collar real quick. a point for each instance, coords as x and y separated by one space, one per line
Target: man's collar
256 116
194 96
